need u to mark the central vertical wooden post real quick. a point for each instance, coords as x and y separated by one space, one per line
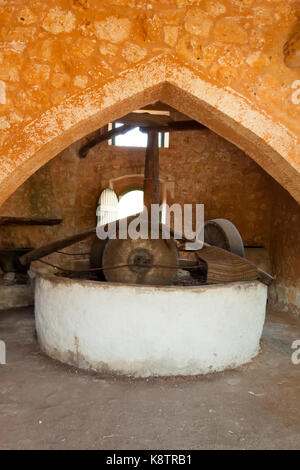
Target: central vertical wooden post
151 176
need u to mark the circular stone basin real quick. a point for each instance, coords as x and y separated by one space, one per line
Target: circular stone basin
147 331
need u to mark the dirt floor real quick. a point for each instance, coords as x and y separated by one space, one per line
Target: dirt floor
47 405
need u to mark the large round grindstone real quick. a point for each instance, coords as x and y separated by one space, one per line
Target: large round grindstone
140 261
223 234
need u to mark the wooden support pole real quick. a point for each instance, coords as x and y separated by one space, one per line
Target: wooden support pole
102 138
151 178
46 250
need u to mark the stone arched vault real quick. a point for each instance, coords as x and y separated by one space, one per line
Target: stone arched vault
274 147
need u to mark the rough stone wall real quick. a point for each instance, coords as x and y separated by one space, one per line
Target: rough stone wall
199 167
51 50
285 250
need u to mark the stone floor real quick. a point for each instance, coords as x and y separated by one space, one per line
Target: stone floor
47 405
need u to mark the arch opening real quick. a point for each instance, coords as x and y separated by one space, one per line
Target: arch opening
130 202
273 147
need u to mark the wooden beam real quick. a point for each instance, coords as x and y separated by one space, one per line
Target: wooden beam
7 220
186 126
54 246
224 266
151 177
171 127
83 151
145 119
175 126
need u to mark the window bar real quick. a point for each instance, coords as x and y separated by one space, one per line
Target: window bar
113 140
162 139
